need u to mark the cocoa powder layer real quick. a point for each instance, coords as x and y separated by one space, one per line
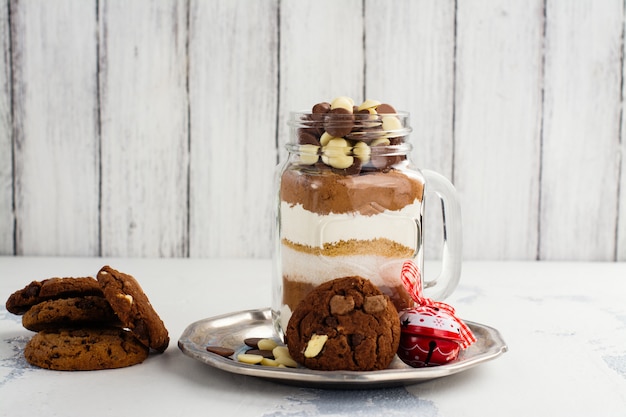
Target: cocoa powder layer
324 191
296 291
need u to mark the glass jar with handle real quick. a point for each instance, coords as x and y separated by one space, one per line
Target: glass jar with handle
351 202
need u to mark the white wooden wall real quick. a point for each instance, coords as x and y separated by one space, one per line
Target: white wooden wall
152 128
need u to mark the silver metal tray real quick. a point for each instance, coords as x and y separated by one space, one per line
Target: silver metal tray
230 330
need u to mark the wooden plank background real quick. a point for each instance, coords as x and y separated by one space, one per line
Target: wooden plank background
152 129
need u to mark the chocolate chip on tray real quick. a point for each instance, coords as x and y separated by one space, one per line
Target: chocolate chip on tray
252 342
265 352
221 351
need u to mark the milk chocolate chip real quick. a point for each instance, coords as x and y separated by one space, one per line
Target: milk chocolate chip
260 352
340 305
355 339
338 122
375 304
310 125
380 157
319 110
305 137
253 342
221 351
385 109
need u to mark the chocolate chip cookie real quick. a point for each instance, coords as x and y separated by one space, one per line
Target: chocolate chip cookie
133 308
344 324
51 289
90 310
85 349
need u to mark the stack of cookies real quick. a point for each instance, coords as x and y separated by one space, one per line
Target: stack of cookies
88 324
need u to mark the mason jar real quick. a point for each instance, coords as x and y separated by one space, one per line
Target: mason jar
350 202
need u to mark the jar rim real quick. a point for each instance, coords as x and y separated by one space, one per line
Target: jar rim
398 113
361 127
381 150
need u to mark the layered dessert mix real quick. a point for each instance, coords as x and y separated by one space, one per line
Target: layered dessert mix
349 202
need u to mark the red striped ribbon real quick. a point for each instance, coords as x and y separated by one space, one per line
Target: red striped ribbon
412 280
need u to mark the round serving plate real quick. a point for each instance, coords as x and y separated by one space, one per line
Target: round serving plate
230 330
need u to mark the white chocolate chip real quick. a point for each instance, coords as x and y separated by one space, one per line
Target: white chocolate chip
127 297
308 159
336 153
341 162
315 345
380 141
370 105
342 102
269 362
266 344
308 154
286 361
282 356
249 358
362 151
325 138
336 147
391 123
308 148
279 351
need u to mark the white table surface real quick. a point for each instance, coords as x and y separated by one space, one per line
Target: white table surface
564 324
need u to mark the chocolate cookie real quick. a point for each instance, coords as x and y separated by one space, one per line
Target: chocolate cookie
70 312
85 349
133 308
344 324
50 289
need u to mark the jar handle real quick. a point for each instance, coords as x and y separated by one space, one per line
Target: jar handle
451 256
